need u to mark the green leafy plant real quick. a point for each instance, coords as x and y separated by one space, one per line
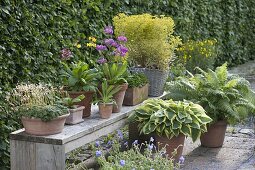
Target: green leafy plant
114 73
106 93
151 42
36 101
134 158
171 118
223 96
136 80
70 102
79 77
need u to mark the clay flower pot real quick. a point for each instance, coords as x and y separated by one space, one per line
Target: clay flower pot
214 137
85 102
119 97
105 110
35 126
171 145
136 95
75 115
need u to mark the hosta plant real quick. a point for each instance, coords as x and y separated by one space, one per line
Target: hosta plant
79 77
223 96
171 118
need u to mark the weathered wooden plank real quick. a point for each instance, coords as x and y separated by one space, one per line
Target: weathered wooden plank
71 145
22 155
50 157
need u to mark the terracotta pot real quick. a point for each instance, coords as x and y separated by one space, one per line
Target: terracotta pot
35 126
119 97
85 102
105 110
171 145
214 137
136 95
75 115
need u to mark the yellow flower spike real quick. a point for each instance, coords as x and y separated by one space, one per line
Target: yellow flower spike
78 45
93 39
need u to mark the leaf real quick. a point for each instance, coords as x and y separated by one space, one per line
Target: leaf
195 134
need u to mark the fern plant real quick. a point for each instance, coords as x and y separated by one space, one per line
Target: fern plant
223 96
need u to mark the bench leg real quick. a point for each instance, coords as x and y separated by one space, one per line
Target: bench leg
36 156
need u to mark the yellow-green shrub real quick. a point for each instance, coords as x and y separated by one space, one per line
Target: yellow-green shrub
150 40
197 54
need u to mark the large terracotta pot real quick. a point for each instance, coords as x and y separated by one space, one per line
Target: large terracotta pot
75 115
136 95
35 126
119 97
85 102
214 137
105 110
171 144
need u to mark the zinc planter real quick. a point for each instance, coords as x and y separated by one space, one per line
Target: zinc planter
157 80
75 115
85 102
136 95
119 97
214 137
105 110
35 126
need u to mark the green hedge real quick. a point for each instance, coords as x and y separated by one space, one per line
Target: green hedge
32 33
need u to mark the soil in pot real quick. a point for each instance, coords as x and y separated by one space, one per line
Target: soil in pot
105 110
85 102
119 97
136 95
38 127
176 142
75 115
214 137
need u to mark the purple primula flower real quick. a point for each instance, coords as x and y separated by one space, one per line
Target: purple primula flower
109 42
181 160
66 54
98 153
122 162
135 142
97 144
101 47
122 49
115 44
122 38
108 30
101 60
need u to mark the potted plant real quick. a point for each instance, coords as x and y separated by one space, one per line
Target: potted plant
170 121
106 101
37 105
76 111
223 96
137 90
79 79
114 73
151 46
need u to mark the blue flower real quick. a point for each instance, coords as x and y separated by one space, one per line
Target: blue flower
120 134
151 139
122 162
109 142
151 146
97 144
126 143
181 160
98 153
135 142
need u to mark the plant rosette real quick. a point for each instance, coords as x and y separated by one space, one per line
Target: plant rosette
170 119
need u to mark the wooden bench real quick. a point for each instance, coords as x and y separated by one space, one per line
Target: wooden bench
48 152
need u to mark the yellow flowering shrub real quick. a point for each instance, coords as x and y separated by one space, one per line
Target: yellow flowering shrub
197 54
150 40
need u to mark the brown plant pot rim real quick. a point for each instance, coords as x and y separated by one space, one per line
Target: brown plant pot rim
39 119
219 122
101 103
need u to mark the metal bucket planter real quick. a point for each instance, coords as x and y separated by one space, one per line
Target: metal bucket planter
157 80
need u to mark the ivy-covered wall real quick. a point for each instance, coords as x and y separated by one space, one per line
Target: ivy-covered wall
32 33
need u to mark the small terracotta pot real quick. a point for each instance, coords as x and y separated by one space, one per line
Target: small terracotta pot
119 97
75 115
35 126
214 137
136 95
171 145
85 102
105 110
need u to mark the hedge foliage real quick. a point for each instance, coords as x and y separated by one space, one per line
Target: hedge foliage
32 33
